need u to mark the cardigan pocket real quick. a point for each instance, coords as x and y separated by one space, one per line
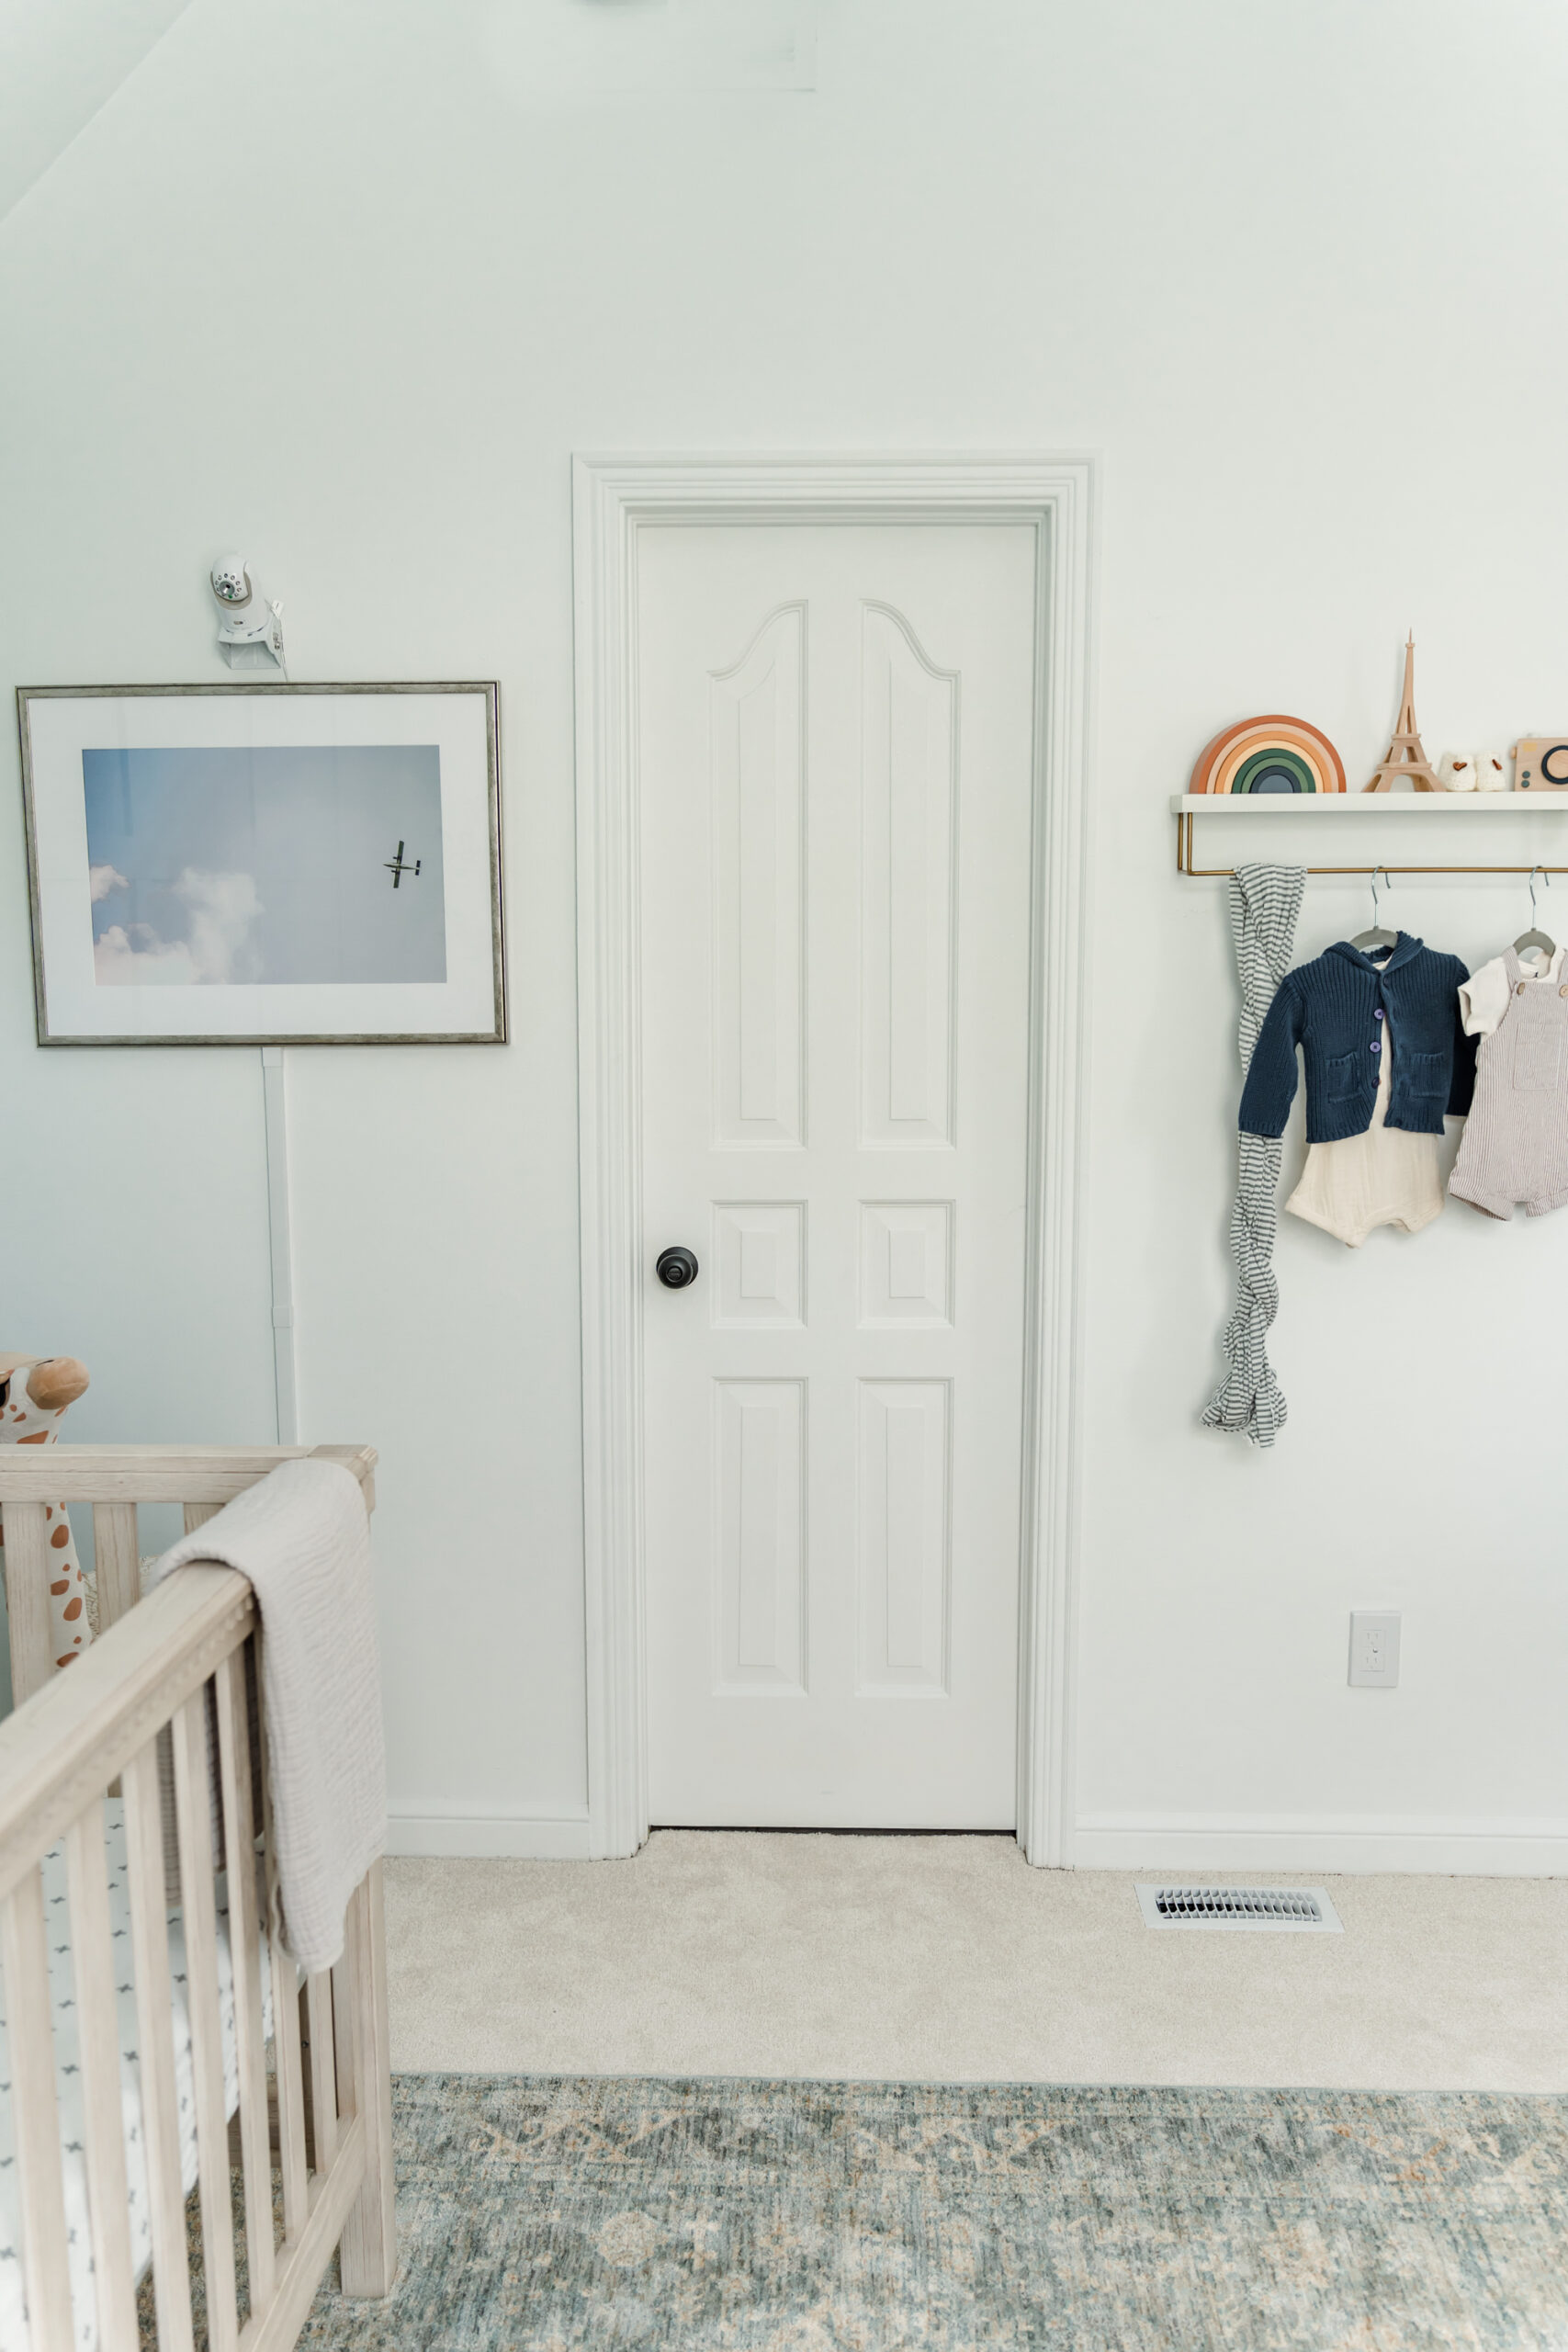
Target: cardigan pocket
1427 1075
1343 1075
1536 1055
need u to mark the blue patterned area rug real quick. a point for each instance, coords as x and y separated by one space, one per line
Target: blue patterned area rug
540 2215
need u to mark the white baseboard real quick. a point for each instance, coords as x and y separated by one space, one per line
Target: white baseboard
526 1837
1529 1848
1290 1843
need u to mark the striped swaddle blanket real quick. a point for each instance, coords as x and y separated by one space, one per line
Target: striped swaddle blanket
1265 901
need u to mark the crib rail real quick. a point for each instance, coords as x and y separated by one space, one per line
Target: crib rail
113 1479
162 1474
183 1663
60 1751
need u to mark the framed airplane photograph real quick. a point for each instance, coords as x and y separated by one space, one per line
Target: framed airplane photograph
264 864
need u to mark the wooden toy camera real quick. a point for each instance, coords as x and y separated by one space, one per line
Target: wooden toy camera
1540 764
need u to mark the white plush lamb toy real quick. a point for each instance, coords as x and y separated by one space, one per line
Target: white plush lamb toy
34 1394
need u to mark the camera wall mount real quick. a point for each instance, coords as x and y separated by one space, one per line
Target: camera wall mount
250 633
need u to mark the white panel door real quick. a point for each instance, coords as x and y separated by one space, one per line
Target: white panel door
834 730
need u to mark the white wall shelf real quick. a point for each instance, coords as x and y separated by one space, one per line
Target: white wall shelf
1364 804
1187 806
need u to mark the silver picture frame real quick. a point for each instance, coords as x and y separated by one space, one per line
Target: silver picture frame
61 879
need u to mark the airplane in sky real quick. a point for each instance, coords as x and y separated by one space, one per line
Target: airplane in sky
397 866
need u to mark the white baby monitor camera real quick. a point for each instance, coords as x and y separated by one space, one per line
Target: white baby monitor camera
250 634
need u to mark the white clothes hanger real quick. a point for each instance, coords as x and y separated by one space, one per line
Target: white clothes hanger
1533 938
1378 936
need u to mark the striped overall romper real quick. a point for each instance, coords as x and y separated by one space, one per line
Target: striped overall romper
1516 1138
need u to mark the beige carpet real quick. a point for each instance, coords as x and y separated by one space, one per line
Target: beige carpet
949 1959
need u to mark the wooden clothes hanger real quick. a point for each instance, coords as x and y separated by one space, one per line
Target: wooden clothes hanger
1534 938
1378 936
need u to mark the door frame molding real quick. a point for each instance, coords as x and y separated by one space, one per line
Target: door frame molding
614 499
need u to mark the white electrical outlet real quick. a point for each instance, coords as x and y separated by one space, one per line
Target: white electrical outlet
1374 1649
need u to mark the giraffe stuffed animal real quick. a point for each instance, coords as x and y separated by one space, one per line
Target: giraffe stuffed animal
34 1394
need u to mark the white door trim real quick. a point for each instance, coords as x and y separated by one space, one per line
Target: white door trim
613 499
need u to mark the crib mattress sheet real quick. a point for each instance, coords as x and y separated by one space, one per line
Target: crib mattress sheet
14 2332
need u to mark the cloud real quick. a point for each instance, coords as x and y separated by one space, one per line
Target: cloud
120 961
222 909
217 949
102 879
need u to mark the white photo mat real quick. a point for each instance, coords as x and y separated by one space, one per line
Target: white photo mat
457 722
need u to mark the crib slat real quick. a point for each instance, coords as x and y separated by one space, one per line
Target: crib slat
234 1769
97 2035
343 2026
285 1999
194 1805
324 2084
289 2062
118 1569
27 1597
23 1955
368 2251
198 1514
155 2048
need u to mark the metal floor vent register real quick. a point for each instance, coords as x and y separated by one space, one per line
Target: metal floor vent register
1291 1910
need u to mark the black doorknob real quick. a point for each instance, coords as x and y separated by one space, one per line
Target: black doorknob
675 1268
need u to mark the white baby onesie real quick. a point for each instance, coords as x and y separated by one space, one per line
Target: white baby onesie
1484 999
1386 1176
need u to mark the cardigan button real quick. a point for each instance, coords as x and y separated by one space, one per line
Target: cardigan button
1520 990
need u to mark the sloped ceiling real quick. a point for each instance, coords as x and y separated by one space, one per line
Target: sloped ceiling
59 62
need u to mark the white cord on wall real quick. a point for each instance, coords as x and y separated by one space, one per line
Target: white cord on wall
275 1101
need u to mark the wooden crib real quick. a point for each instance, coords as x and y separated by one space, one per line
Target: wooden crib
309 2128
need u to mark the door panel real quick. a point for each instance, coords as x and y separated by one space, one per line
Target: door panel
834 734
760 1460
906 1264
759 1264
758 747
908 796
905 1535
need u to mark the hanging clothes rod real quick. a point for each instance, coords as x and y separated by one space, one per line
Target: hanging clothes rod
1185 821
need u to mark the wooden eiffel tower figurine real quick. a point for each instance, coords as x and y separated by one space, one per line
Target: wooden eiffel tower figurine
1405 756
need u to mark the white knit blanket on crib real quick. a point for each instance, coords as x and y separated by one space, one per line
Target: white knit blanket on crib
303 1537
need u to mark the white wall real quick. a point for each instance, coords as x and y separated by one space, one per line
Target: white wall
328 283
60 61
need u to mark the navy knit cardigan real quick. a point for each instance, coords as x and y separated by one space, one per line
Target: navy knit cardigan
1338 1010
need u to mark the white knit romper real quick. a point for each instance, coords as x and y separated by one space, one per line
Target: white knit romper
1516 1138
